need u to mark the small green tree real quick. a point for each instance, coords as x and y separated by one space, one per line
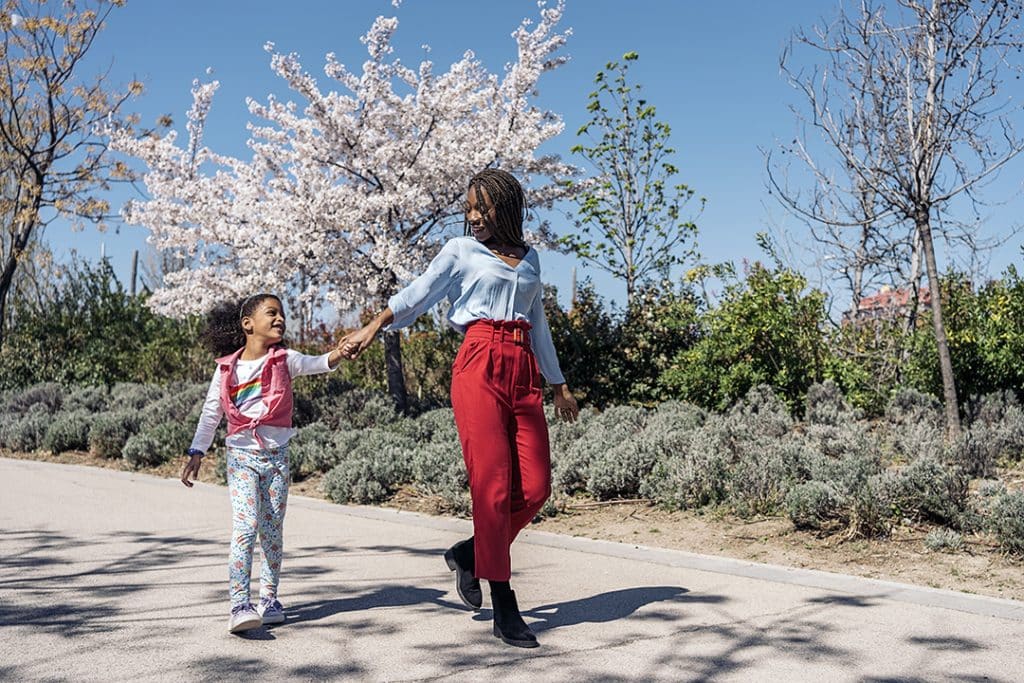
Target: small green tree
768 329
630 220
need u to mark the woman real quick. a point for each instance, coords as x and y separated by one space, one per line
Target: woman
492 279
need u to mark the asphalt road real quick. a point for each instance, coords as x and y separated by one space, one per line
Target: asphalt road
109 575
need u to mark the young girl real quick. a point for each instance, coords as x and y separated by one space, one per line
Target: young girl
253 387
492 279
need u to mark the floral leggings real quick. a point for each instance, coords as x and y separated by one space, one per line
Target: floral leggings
258 481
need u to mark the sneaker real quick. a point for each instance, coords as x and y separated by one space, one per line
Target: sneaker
271 610
244 618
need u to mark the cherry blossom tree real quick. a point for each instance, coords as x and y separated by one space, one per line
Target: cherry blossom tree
348 196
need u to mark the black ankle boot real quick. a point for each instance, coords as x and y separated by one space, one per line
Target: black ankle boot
461 560
508 623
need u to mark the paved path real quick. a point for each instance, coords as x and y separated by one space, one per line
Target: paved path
110 575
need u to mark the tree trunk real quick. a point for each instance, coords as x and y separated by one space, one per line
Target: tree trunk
945 360
396 376
19 241
6 278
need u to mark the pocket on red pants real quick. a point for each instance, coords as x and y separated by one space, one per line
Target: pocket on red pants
468 352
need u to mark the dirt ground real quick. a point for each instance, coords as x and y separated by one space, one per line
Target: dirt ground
979 568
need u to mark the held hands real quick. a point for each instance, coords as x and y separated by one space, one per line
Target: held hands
354 343
191 470
565 403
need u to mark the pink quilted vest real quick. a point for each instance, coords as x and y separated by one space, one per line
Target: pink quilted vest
277 393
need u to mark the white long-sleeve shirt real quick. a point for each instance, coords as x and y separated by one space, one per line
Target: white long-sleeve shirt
247 394
480 286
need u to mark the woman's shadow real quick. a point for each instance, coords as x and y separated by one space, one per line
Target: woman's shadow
608 606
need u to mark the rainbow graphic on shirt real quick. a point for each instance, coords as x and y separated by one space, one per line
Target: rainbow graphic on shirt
247 392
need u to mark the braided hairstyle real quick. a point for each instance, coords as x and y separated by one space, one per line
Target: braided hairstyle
223 333
509 203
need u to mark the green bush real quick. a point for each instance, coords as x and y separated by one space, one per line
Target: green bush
106 336
68 432
768 329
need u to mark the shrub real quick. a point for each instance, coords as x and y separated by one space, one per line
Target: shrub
672 416
110 432
182 402
132 396
825 405
25 433
358 409
927 490
619 471
759 482
815 505
760 414
766 330
316 449
944 540
871 506
911 440
143 449
88 399
68 432
438 469
49 396
690 474
157 444
603 432
1006 521
377 464
909 406
995 434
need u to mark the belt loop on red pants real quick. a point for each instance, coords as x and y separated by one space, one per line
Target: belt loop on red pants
514 331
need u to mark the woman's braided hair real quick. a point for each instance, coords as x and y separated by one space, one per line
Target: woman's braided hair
223 333
509 203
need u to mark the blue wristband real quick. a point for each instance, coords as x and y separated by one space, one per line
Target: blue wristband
194 451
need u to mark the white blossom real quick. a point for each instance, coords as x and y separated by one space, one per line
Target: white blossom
349 195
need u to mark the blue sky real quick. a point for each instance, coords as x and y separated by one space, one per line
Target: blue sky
710 68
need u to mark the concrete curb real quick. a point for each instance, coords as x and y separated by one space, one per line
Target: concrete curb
839 583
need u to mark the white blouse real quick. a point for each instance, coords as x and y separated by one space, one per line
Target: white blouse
480 286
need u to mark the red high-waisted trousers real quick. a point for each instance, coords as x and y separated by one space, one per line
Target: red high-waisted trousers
496 396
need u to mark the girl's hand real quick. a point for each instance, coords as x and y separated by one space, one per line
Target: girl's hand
354 343
565 403
191 470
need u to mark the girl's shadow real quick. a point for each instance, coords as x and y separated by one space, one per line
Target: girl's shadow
607 607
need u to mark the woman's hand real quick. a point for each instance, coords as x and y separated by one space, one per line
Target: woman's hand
191 470
565 403
354 343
